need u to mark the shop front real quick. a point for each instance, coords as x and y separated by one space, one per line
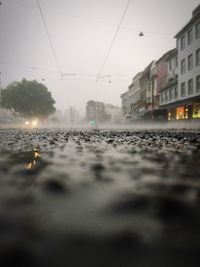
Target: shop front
183 110
196 111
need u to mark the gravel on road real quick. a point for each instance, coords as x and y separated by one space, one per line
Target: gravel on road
99 198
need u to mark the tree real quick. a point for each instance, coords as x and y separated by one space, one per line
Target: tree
28 98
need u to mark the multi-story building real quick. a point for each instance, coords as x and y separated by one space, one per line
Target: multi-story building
146 89
169 90
125 103
134 94
114 113
166 70
172 82
188 46
154 93
161 73
95 111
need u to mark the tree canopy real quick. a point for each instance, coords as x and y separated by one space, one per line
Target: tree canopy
28 98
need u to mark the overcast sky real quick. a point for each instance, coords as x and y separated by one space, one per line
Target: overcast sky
81 32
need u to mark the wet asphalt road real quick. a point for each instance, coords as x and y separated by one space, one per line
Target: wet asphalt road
99 198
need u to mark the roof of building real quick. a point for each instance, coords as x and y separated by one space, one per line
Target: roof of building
124 94
138 75
146 70
92 102
195 17
171 53
168 54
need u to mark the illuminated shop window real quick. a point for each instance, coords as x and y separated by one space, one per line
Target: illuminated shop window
196 111
180 113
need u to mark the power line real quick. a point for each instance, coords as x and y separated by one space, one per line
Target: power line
112 43
78 76
114 37
51 44
49 37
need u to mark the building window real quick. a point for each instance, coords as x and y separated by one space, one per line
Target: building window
190 36
176 62
170 93
198 83
180 113
198 57
190 62
183 42
196 111
166 96
183 89
175 92
162 97
190 87
182 66
197 30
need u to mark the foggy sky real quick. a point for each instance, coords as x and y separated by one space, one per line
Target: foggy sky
81 33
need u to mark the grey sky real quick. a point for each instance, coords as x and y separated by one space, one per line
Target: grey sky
81 32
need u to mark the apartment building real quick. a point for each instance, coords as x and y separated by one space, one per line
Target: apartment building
134 94
169 90
188 46
95 111
125 103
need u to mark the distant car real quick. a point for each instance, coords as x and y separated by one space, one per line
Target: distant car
31 123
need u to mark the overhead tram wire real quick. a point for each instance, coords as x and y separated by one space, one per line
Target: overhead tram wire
111 45
50 43
49 37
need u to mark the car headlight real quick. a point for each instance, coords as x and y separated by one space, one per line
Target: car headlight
27 122
34 123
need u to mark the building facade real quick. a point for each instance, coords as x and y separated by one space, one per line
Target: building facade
172 83
169 90
125 103
95 111
134 94
146 89
114 113
188 46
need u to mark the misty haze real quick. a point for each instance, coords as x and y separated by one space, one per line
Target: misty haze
99 133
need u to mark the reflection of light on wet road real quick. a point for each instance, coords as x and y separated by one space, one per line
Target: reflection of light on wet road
35 154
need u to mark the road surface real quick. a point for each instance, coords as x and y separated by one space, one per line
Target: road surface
99 198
